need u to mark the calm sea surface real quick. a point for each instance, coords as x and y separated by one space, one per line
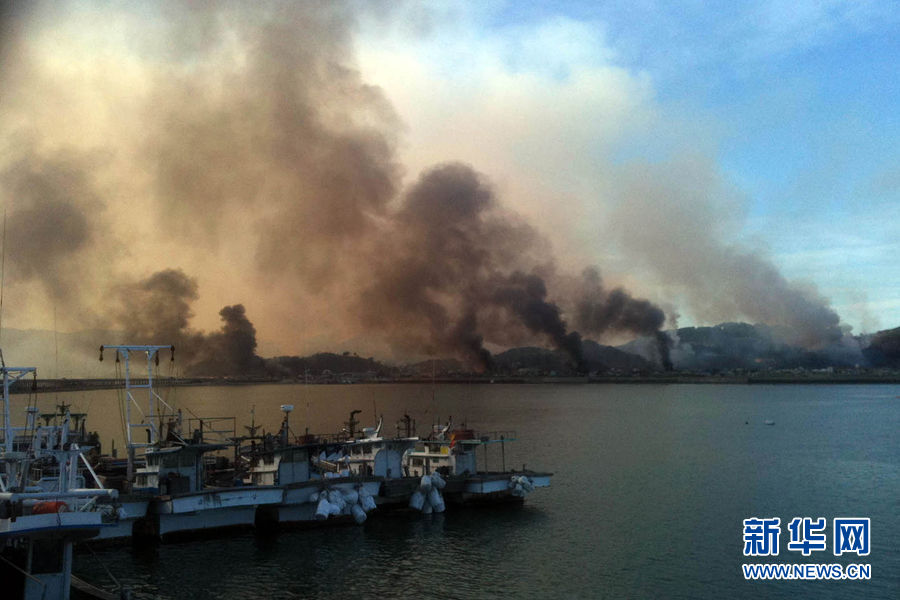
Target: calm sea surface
651 486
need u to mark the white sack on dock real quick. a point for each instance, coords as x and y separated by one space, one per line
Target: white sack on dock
359 515
368 502
434 498
323 509
427 508
437 481
521 485
425 483
351 496
416 500
336 499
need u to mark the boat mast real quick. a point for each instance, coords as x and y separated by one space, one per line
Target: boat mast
152 421
10 376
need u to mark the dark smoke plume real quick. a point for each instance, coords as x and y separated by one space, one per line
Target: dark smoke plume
525 295
676 218
290 134
252 137
462 271
599 311
157 310
451 277
53 215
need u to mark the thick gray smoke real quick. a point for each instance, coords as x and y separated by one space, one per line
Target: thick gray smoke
261 133
53 213
460 271
253 139
157 310
525 296
599 311
676 219
268 118
436 267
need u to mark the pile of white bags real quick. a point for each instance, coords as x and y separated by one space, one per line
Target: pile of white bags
333 502
521 485
428 497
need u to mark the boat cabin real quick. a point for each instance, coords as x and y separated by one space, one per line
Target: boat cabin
448 457
282 466
174 470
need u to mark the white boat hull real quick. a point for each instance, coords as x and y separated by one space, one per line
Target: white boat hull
210 500
209 510
207 520
82 524
298 506
129 512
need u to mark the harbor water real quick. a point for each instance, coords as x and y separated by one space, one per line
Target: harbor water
651 485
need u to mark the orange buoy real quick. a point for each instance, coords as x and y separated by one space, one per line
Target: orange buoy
50 506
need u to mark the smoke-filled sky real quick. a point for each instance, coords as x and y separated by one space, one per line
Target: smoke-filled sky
411 179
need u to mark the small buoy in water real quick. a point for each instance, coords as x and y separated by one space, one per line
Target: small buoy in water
768 422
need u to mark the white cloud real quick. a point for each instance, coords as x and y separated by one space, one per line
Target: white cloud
540 109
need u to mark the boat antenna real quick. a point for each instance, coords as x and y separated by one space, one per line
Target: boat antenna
306 395
55 355
2 281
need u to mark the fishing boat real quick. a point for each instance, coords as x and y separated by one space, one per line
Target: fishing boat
319 481
453 453
169 492
42 516
369 452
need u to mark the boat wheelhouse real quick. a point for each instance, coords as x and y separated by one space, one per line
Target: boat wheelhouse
305 468
167 477
453 454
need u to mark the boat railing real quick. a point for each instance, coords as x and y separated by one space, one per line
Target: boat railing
212 430
494 437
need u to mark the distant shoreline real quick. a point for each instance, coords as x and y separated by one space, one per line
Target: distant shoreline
76 385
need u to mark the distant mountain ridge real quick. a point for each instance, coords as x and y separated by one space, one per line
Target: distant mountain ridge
753 347
723 347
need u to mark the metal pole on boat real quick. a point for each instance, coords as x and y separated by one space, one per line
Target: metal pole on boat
7 427
151 418
17 374
129 469
503 452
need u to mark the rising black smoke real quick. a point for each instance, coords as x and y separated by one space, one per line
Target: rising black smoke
253 134
157 310
459 271
677 218
54 213
599 310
